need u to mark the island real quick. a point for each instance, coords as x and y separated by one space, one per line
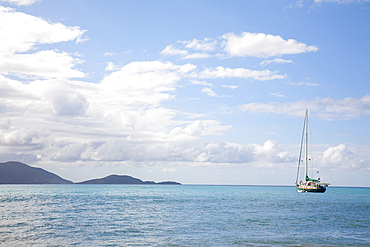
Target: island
18 173
124 179
13 172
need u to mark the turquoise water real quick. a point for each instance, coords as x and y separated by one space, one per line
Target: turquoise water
187 215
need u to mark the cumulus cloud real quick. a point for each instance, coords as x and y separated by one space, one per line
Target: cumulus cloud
144 83
247 44
111 66
205 127
183 47
59 65
22 139
21 33
340 157
69 104
126 102
326 108
171 51
262 45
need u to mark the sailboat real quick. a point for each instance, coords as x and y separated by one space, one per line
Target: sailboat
310 184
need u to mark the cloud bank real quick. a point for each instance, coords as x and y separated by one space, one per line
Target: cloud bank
263 45
326 108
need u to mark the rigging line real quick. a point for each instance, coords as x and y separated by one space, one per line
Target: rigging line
313 163
300 152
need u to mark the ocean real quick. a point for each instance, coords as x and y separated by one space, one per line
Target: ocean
186 215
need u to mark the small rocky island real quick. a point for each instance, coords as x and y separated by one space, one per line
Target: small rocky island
18 173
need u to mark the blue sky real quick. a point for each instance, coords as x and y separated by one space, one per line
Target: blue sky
201 92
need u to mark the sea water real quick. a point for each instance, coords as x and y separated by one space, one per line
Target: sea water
186 215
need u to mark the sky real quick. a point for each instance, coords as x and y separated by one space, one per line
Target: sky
199 92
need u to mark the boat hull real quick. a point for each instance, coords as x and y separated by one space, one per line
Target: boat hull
314 190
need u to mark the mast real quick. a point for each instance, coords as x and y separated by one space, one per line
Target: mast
300 151
306 144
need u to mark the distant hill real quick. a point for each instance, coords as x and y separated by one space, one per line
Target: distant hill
18 173
169 183
124 179
114 179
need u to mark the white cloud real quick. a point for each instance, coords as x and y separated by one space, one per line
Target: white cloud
221 72
215 152
126 102
201 45
171 51
58 65
196 56
206 46
276 60
277 94
326 108
13 90
17 137
5 123
144 83
203 83
262 45
201 128
209 92
111 66
247 44
109 53
68 103
302 83
21 33
230 86
340 157
21 2
334 154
